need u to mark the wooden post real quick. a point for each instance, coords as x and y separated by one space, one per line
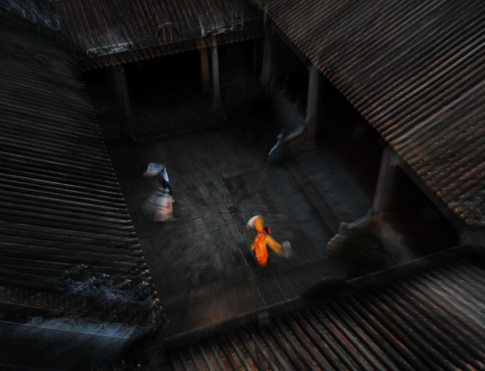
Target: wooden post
384 183
255 58
204 70
311 108
215 76
121 90
265 54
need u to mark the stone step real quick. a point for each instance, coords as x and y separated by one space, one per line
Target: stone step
326 195
324 210
308 219
343 188
327 188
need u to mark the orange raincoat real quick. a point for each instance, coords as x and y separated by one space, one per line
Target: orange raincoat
263 238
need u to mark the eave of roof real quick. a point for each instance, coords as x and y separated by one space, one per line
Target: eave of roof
421 315
107 33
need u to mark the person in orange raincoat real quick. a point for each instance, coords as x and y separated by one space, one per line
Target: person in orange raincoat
263 238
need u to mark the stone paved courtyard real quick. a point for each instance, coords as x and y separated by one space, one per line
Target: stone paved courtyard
201 263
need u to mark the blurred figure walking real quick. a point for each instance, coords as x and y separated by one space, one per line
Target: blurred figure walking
263 238
159 205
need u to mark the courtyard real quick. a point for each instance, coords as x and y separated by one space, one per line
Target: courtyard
201 263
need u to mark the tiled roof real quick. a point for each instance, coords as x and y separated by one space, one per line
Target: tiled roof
66 239
433 320
415 71
107 33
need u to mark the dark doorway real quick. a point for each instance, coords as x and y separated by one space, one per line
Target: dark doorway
413 215
354 143
289 74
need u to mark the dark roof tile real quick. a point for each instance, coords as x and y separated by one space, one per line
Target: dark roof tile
107 33
64 225
415 71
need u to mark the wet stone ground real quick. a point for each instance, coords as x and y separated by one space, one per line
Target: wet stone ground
201 263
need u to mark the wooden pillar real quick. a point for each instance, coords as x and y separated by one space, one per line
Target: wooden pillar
204 70
255 59
312 105
121 90
215 76
265 54
265 62
385 180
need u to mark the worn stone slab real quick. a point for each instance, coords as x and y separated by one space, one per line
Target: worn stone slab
201 263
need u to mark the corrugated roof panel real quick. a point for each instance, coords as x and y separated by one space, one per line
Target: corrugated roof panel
64 227
106 33
415 71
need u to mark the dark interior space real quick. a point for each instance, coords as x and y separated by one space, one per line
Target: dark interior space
290 74
167 81
354 143
235 59
101 91
239 67
425 228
